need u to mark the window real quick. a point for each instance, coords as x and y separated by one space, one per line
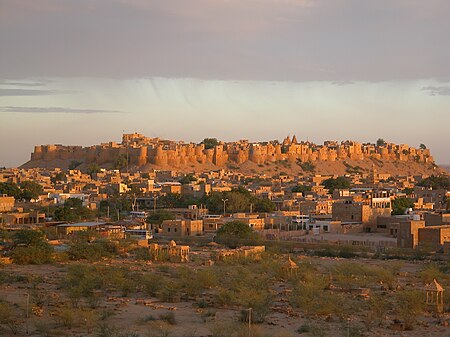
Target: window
168 229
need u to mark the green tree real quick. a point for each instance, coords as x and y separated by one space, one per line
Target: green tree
263 205
93 168
422 147
121 162
408 190
28 237
237 200
30 190
159 216
30 247
399 205
210 143
301 189
187 179
307 166
381 142
236 233
72 211
74 164
60 176
436 182
339 183
10 189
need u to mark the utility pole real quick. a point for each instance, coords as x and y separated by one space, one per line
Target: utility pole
224 203
249 322
154 203
27 313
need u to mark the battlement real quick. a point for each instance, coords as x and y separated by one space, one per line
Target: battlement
143 150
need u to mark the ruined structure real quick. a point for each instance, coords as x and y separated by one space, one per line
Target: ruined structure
140 151
250 252
170 252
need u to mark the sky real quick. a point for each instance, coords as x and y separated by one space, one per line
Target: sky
81 72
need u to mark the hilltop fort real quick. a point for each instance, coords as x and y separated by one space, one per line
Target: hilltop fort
145 153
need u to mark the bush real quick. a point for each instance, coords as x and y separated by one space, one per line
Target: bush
236 233
30 247
410 304
40 254
92 251
9 317
168 317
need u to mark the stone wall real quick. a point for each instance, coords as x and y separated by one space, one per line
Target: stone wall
142 150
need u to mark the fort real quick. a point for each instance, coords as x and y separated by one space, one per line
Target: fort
142 151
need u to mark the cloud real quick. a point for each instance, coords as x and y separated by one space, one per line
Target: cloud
341 83
437 91
281 40
28 83
28 92
39 110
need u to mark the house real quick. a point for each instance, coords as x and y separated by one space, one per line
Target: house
6 203
180 228
434 236
408 233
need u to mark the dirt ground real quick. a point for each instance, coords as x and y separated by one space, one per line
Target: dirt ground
138 314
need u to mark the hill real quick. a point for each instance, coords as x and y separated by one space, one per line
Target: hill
137 152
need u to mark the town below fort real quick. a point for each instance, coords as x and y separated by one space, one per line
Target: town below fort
151 237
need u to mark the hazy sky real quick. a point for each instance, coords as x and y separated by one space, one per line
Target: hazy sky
84 71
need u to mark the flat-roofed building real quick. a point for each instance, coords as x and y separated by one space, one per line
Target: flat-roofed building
179 228
408 233
6 203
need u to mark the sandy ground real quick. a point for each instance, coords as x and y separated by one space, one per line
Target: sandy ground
130 315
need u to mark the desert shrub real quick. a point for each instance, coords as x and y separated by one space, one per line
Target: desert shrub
141 253
9 317
33 254
82 281
410 304
378 306
65 317
348 274
430 272
30 247
91 251
168 317
43 329
89 318
244 288
152 283
11 277
307 166
169 291
194 282
304 328
313 298
315 330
